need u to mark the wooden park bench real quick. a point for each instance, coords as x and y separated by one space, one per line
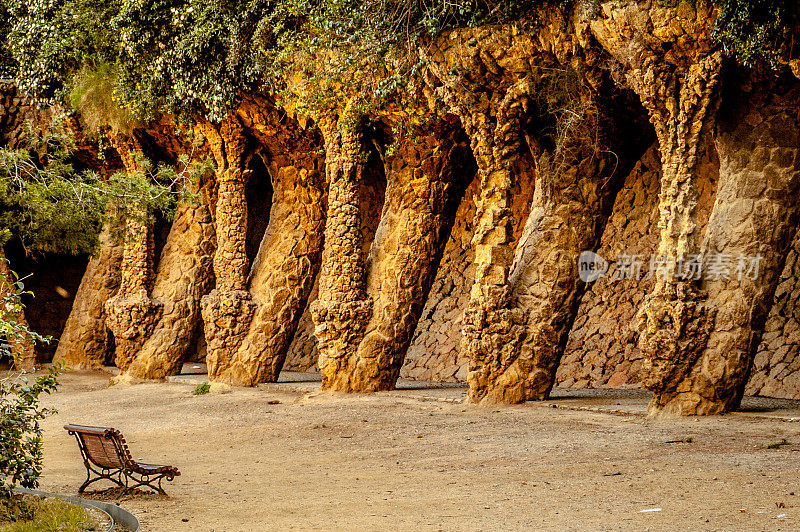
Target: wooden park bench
106 454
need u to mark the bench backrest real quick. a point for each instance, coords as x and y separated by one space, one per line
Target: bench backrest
103 446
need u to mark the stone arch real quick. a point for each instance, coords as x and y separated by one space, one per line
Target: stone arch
425 183
281 273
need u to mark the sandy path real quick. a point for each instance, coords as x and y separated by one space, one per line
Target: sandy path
379 462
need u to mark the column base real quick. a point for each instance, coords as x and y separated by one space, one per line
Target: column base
688 404
226 317
675 326
491 335
131 318
339 328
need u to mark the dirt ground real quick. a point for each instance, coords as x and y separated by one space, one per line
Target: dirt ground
386 462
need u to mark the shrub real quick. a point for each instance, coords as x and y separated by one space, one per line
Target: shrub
20 410
752 31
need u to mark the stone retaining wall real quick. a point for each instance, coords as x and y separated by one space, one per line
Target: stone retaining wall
776 368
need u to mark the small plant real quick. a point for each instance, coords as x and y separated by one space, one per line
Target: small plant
94 97
778 444
202 389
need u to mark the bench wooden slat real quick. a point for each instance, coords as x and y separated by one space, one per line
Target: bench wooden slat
101 450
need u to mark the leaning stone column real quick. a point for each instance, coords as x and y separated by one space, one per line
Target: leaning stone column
342 310
517 319
228 309
677 92
675 317
567 214
131 314
283 272
751 227
282 275
420 196
184 275
85 342
493 323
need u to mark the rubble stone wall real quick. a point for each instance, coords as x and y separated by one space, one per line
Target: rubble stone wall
776 368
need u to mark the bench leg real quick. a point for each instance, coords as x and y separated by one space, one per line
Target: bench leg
101 475
145 480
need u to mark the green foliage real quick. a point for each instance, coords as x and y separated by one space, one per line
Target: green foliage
53 207
202 389
8 66
196 57
20 432
50 40
370 46
20 411
44 200
154 188
13 332
752 31
193 56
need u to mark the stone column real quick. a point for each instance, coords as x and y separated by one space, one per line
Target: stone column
184 275
520 312
228 309
752 225
678 92
342 311
283 273
131 314
675 317
288 259
84 341
421 198
567 214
